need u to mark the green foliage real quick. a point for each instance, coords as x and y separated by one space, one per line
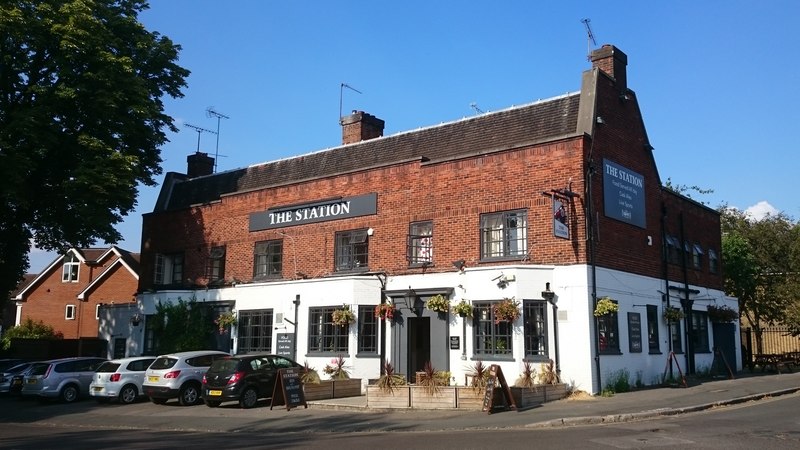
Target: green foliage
617 382
309 375
438 303
463 309
343 316
605 305
686 190
81 121
182 326
478 374
673 314
29 330
432 379
390 379
337 370
506 310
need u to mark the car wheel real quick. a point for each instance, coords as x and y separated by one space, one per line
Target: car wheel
213 403
189 395
69 393
158 401
128 394
249 398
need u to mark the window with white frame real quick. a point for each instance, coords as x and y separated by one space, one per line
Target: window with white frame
420 243
504 234
97 311
268 261
352 250
69 312
69 273
168 269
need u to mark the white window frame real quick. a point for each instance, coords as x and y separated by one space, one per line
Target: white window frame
71 268
97 311
70 311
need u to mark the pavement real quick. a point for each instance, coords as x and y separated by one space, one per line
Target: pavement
636 405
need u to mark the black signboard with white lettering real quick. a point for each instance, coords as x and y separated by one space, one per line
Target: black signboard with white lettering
285 345
455 342
623 194
322 211
496 378
635 332
288 389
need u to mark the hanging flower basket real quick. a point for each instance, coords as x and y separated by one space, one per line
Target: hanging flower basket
438 303
385 311
506 310
463 309
605 305
722 314
225 320
343 316
672 314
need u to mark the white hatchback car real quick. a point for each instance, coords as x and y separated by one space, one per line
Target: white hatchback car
120 379
178 375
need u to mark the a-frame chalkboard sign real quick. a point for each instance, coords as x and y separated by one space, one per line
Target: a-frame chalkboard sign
288 389
496 378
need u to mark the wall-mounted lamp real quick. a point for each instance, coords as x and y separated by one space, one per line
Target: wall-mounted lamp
370 232
624 97
136 319
413 302
460 264
549 295
600 120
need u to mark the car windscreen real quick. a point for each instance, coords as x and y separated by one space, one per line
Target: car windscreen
163 362
108 367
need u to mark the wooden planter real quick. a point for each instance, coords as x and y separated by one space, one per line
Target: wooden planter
443 397
399 397
332 389
540 393
459 397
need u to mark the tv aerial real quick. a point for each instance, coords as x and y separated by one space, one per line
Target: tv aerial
589 38
199 131
341 94
210 112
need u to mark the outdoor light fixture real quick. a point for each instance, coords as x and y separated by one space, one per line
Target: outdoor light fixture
413 302
460 264
600 120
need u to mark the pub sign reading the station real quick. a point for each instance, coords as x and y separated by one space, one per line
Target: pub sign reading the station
623 194
322 211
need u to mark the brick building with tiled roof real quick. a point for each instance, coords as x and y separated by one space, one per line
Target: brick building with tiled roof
551 205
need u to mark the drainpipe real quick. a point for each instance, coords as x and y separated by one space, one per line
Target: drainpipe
296 315
590 235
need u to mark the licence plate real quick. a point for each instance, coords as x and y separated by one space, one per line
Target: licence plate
215 393
152 379
31 381
97 388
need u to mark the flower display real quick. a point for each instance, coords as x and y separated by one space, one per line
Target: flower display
225 320
506 310
463 309
672 314
385 311
336 370
343 316
605 305
722 313
438 303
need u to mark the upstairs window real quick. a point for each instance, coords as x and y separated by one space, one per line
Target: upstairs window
216 264
168 269
268 259
504 235
69 312
713 261
697 256
420 244
69 273
352 250
673 250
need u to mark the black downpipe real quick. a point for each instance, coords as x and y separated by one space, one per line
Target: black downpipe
296 315
665 269
686 302
591 237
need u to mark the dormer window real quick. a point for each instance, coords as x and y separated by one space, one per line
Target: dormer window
69 273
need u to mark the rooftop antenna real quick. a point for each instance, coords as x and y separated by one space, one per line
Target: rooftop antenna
212 113
341 94
475 108
199 131
589 39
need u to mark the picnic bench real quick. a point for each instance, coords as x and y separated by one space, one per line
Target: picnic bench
777 360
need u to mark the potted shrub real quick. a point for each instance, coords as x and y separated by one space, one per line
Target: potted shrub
385 311
438 303
336 370
527 378
309 375
506 310
672 314
343 316
390 379
463 309
722 314
605 305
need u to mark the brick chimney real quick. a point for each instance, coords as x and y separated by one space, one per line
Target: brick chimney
199 164
360 126
612 61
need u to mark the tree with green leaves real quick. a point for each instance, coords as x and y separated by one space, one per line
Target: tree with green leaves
81 122
183 325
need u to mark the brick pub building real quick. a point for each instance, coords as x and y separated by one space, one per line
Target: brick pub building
553 205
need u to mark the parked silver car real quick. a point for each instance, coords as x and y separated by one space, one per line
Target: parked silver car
65 379
120 379
178 375
7 378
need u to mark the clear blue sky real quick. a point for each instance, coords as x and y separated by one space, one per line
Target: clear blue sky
717 81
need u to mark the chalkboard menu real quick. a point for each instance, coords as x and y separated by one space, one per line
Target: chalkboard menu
495 380
634 332
288 389
285 345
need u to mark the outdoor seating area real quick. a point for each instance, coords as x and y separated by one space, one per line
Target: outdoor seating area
776 361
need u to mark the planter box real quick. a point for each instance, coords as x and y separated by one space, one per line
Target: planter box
459 397
399 397
443 397
332 389
540 393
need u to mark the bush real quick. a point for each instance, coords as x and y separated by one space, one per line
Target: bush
29 330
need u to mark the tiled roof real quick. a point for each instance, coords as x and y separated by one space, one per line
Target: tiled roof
509 128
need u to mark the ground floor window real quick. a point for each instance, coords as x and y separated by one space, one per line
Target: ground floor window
700 332
675 335
367 330
492 338
255 331
652 329
535 329
324 336
608 332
